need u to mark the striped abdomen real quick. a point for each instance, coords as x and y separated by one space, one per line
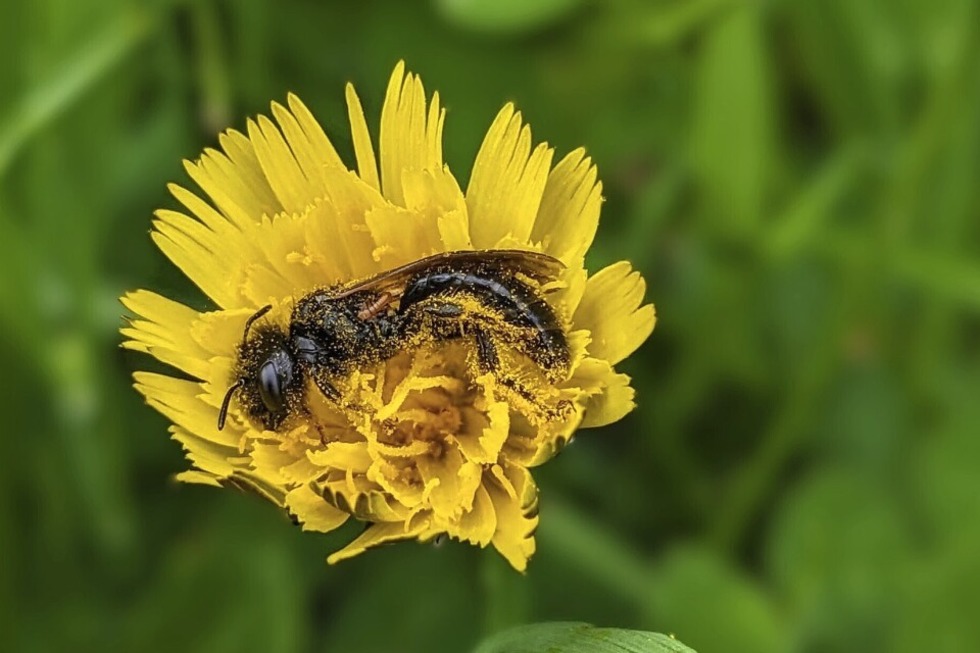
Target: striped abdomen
514 301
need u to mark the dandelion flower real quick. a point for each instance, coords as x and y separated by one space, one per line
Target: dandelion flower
422 445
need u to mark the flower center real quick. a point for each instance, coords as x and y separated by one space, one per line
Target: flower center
428 417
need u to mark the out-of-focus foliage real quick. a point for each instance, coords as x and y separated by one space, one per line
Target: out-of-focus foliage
579 638
798 179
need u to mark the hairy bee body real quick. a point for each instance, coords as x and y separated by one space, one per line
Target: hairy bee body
487 302
334 331
332 337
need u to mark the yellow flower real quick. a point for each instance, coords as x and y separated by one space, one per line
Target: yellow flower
420 445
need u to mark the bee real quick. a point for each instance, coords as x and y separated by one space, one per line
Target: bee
492 297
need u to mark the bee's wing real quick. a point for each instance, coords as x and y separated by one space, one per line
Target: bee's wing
540 267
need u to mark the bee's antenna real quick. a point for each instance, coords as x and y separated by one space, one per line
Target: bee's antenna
258 314
223 413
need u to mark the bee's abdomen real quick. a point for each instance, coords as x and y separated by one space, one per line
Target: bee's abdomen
513 300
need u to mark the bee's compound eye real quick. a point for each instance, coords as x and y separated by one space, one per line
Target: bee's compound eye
269 387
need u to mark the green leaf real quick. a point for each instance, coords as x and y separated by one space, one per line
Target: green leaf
572 637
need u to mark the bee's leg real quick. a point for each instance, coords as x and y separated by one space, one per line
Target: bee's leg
444 310
331 393
327 388
445 317
486 351
489 361
450 325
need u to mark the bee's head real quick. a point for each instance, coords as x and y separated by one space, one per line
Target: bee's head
267 377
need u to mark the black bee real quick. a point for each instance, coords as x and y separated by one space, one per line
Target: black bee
491 296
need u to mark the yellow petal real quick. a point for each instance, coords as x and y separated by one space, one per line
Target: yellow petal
398 479
400 451
247 481
301 471
164 332
222 225
196 250
569 213
180 402
454 228
485 430
338 234
435 220
411 137
286 178
612 405
377 534
343 455
234 180
507 182
318 151
232 240
608 396
553 439
284 269
402 236
479 524
457 481
270 459
363 499
219 332
194 476
367 165
433 193
514 497
406 387
610 309
208 456
313 513
567 296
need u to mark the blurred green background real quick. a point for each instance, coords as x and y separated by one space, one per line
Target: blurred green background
797 179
